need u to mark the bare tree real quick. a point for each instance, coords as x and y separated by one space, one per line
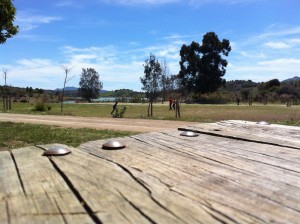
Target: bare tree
67 68
6 95
5 75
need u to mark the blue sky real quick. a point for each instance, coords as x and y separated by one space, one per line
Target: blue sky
115 37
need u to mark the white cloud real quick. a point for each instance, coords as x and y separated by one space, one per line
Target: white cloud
27 22
294 41
277 45
286 62
264 70
280 30
119 68
272 54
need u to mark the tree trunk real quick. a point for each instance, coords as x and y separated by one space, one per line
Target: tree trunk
149 109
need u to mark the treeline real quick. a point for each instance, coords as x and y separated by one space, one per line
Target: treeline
18 92
272 91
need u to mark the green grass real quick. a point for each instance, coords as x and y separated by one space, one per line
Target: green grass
274 113
17 135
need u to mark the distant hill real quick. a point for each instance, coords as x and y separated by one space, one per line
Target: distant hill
296 78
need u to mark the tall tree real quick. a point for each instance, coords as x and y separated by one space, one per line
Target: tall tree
67 68
7 17
90 84
150 81
164 79
5 75
201 66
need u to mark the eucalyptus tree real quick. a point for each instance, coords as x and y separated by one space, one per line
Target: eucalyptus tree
202 66
150 81
90 84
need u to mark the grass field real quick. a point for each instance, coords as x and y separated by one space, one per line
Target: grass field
17 135
20 135
189 112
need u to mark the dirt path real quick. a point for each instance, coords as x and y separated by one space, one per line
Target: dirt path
137 125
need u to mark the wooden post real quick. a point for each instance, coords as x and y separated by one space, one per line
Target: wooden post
3 98
177 109
9 103
6 103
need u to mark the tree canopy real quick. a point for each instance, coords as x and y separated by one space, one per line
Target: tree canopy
151 80
90 84
7 17
201 66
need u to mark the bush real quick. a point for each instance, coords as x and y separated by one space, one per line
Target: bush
39 106
119 114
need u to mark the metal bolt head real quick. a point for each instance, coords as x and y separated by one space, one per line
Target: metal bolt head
189 134
56 151
263 123
112 145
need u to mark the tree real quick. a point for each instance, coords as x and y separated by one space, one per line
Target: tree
272 83
5 75
7 17
90 84
164 79
201 66
150 81
67 70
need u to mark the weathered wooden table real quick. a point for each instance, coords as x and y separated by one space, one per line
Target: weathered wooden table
233 172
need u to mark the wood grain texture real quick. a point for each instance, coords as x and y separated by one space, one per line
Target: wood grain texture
160 177
42 196
282 135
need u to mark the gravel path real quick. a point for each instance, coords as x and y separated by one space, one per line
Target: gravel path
123 124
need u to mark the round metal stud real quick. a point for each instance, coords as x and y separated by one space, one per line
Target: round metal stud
112 145
189 134
263 123
56 151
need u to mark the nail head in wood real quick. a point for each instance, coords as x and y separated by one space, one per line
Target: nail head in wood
112 145
189 134
56 151
263 123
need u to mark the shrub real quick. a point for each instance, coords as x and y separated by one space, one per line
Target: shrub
39 106
119 114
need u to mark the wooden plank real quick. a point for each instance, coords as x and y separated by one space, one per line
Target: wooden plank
45 196
10 183
287 136
160 177
230 183
110 191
